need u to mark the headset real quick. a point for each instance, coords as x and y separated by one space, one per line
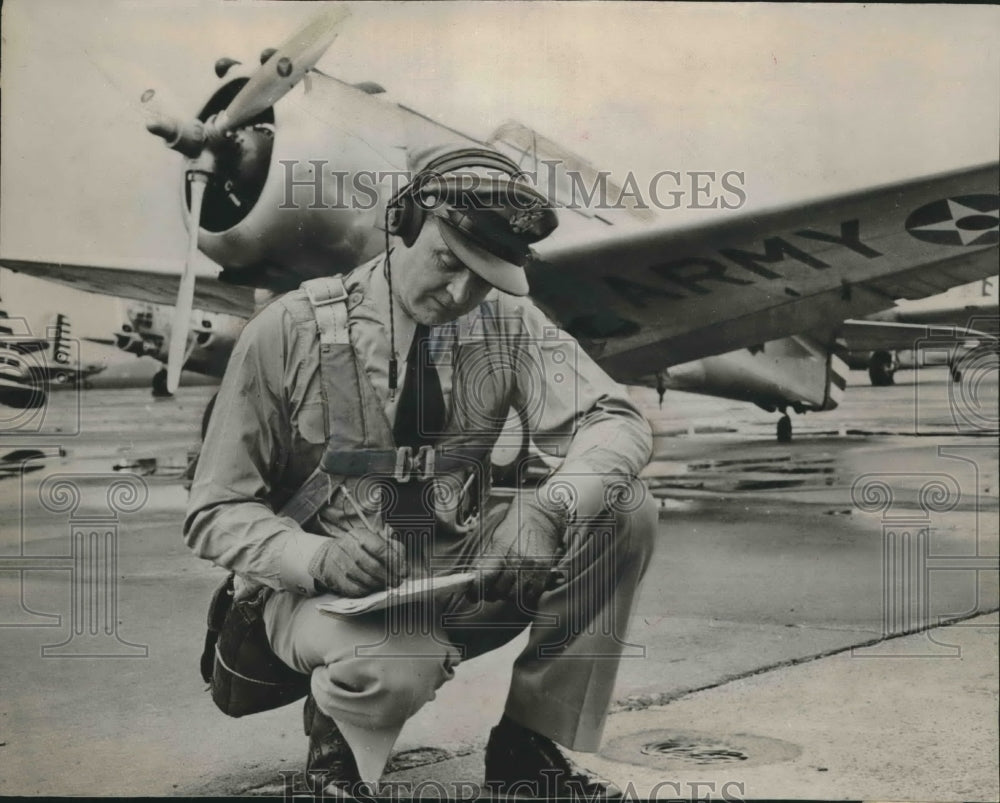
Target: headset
405 215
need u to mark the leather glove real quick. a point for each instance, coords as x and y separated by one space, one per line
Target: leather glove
518 559
358 562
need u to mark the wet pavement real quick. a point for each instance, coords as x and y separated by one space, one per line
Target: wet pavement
765 649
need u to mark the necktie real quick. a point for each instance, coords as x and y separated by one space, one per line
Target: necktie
420 414
419 419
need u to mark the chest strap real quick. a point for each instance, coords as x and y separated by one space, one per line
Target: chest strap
403 463
348 452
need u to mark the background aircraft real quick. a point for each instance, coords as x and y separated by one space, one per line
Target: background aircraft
640 295
972 308
146 329
31 366
793 373
17 462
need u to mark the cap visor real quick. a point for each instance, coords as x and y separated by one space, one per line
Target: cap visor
501 274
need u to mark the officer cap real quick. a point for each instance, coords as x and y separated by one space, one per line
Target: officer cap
490 216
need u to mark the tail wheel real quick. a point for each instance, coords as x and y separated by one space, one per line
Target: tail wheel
881 371
784 429
160 384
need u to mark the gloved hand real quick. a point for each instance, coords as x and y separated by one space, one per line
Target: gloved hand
359 562
518 559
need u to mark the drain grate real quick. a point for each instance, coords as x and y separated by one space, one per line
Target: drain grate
695 752
679 750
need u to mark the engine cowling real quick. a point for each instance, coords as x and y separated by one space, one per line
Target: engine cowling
275 212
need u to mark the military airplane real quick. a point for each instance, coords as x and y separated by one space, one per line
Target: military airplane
287 172
972 313
31 366
145 332
20 461
754 374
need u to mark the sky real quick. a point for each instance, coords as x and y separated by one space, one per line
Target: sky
805 100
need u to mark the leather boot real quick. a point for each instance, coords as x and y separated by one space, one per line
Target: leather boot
522 762
330 761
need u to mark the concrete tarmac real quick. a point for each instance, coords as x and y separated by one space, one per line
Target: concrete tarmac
768 652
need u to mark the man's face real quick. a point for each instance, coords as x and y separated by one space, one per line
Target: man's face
431 284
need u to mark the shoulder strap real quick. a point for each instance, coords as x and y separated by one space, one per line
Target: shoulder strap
328 298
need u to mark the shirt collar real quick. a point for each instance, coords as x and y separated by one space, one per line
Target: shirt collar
374 287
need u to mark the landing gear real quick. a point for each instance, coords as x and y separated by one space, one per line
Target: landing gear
784 429
882 369
956 373
160 385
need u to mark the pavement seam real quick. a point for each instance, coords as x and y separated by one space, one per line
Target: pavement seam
642 702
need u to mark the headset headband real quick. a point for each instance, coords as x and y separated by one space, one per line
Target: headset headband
455 160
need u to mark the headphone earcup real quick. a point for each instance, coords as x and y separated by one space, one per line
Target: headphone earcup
394 216
414 223
405 214
405 219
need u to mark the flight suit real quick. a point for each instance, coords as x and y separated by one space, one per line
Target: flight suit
370 674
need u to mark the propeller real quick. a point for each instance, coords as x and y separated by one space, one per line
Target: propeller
134 84
200 142
185 293
282 71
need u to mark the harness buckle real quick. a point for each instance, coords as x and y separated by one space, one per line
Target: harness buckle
420 465
329 291
404 464
425 462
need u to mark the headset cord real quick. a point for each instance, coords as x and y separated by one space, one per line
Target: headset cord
393 363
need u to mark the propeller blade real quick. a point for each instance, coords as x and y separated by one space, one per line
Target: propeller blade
177 355
284 69
136 88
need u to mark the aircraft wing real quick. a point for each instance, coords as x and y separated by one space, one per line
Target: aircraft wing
27 346
657 297
15 335
155 286
883 336
653 297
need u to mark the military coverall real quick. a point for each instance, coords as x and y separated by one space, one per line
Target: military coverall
267 435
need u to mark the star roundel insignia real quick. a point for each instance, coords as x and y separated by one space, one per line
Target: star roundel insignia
964 220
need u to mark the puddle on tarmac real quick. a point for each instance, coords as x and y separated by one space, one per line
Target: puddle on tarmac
778 472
